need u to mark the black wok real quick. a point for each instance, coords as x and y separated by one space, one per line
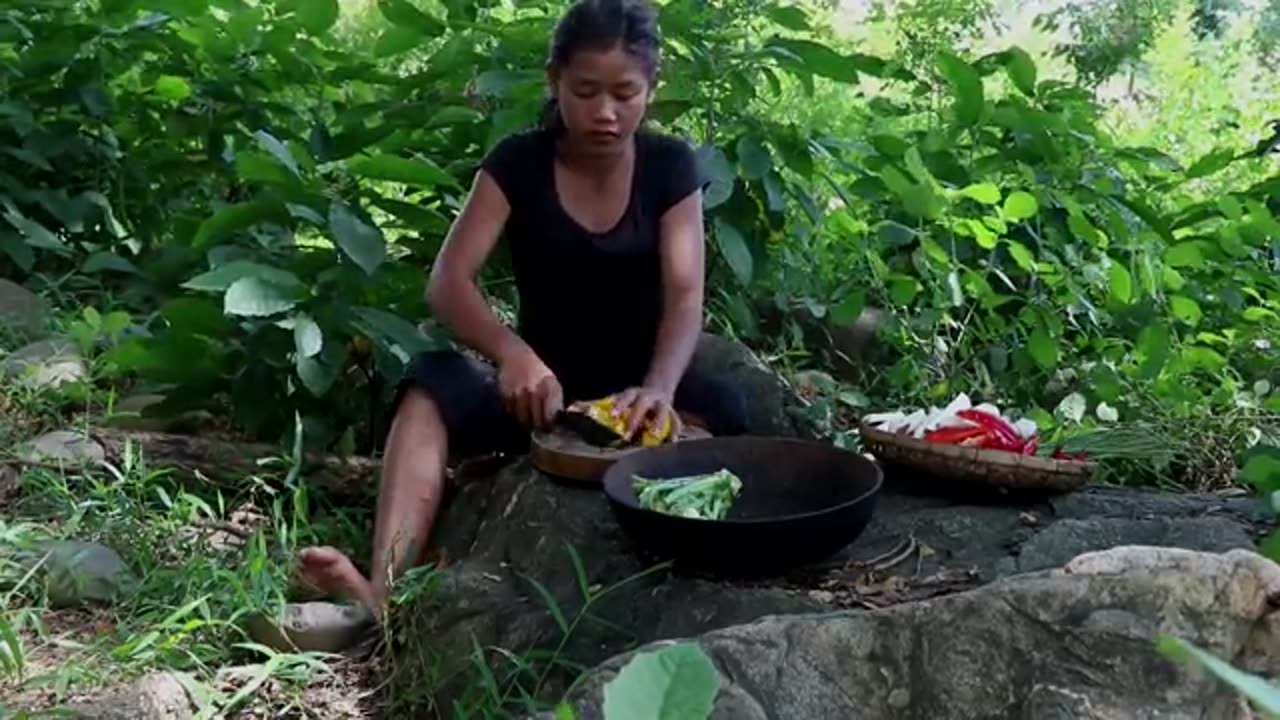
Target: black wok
800 503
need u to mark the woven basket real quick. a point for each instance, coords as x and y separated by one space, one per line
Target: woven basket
996 468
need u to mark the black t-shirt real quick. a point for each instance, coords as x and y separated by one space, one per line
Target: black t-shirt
590 303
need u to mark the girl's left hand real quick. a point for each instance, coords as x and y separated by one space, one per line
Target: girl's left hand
645 405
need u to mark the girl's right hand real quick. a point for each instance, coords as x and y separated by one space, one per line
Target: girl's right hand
530 391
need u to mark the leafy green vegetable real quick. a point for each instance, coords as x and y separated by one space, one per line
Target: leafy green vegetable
706 497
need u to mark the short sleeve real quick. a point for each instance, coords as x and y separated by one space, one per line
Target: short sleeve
677 174
508 163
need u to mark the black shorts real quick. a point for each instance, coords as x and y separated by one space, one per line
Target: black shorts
466 394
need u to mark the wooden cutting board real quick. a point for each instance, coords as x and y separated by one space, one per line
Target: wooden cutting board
565 456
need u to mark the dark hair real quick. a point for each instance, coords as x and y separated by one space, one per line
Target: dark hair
603 25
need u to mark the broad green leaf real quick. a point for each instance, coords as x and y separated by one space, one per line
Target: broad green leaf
108 261
1186 254
401 13
361 242
1211 163
903 289
308 339
397 40
233 218
224 276
172 87
454 115
985 193
718 172
818 59
966 88
1021 255
317 16
277 150
733 247
391 331
1120 283
18 251
419 172
257 167
1261 693
678 682
895 234
1186 309
1085 231
986 239
37 235
1043 348
317 373
1021 70
1153 349
849 310
255 297
1262 469
754 158
1020 205
789 17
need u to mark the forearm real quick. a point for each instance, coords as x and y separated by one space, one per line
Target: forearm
462 308
678 334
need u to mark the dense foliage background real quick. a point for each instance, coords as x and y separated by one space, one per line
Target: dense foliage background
261 185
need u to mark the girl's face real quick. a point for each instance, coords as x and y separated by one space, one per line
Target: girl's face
603 96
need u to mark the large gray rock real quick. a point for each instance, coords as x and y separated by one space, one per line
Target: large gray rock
48 363
62 446
80 573
20 309
774 408
1071 643
500 536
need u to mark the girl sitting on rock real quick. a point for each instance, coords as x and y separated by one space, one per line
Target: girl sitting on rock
603 220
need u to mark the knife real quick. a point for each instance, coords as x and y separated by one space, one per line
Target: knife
590 431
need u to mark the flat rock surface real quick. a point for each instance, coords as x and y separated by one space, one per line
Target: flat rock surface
497 536
1073 643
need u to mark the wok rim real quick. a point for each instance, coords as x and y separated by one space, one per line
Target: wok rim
612 476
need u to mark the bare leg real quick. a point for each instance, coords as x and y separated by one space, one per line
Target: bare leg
412 483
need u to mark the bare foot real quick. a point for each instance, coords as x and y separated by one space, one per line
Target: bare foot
332 573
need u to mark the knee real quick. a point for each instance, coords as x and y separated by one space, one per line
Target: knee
723 404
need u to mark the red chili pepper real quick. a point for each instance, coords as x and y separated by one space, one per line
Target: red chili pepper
1008 436
1058 454
955 435
1031 447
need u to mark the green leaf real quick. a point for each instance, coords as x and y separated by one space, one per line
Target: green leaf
255 297
172 87
733 247
789 17
1021 255
1186 254
317 16
308 339
233 218
401 13
1262 469
754 158
37 235
418 172
1260 692
1153 349
718 171
1186 309
277 150
1020 205
362 243
224 276
966 88
1085 231
318 373
1120 283
1021 70
678 682
985 193
1210 163
850 309
395 41
1043 349
818 59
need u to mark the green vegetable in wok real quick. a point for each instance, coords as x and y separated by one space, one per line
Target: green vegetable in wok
705 497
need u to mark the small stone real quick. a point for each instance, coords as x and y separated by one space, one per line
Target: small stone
823 596
19 307
45 364
65 446
80 573
158 696
899 699
312 627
